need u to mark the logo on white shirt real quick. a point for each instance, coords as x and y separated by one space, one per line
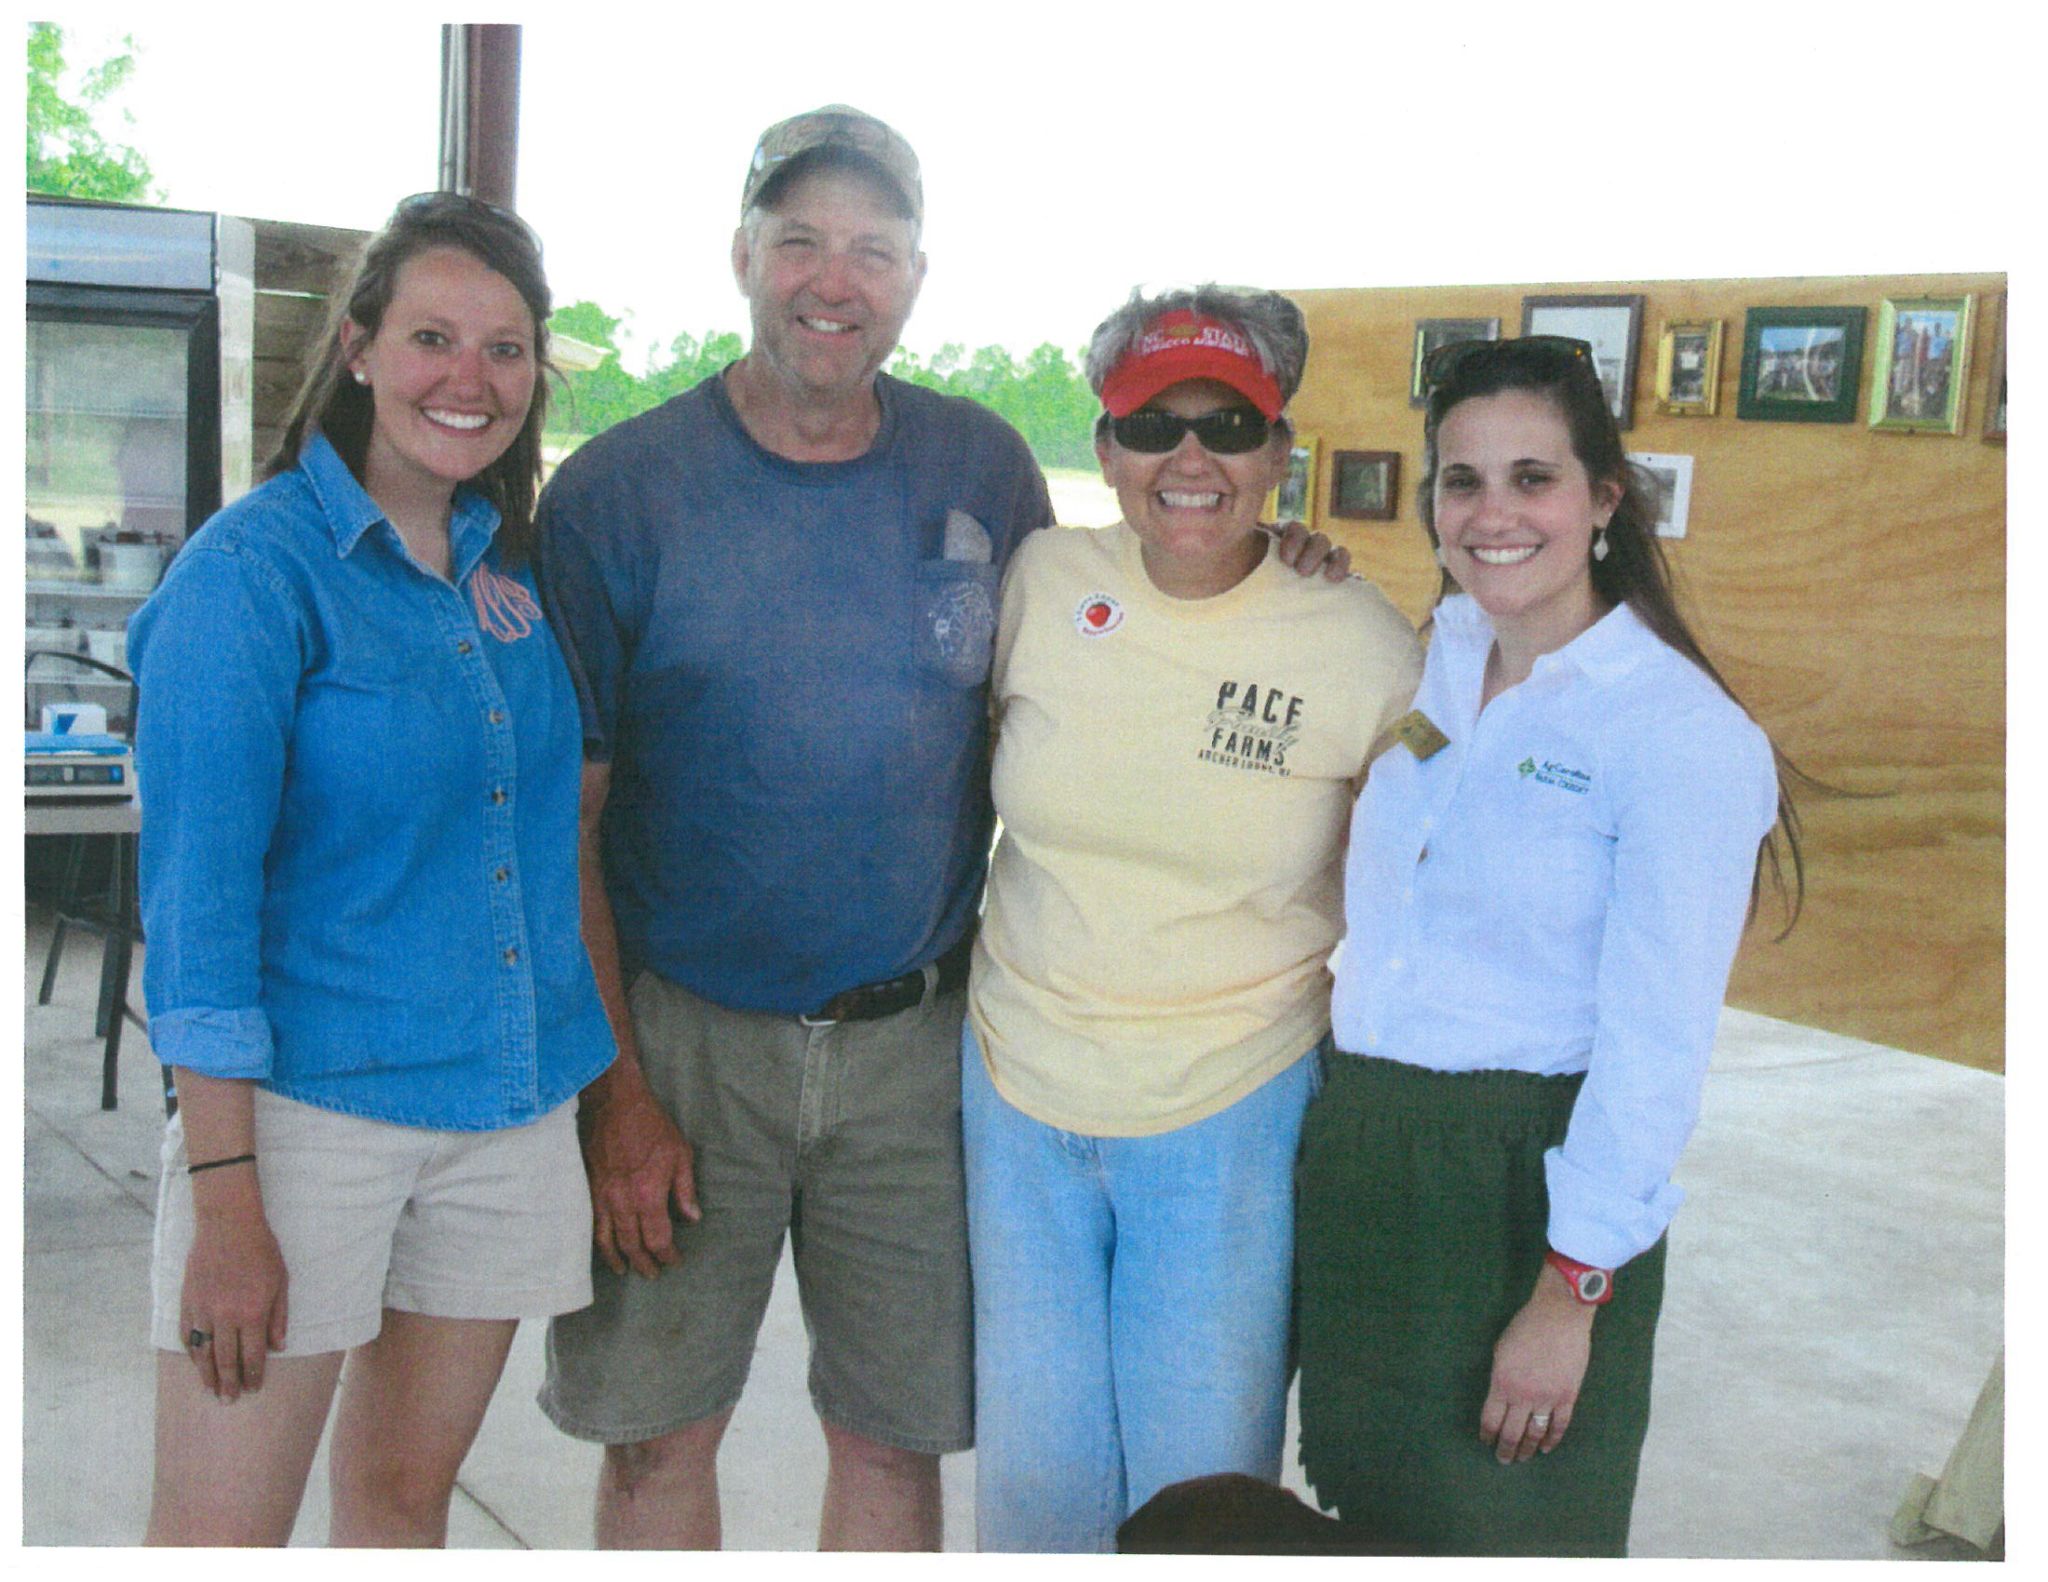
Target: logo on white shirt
1549 772
1098 615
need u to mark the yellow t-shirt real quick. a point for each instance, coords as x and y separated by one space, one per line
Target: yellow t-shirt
1174 779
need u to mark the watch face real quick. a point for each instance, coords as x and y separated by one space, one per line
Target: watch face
1592 1285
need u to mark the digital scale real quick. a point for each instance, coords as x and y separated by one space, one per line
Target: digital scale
71 766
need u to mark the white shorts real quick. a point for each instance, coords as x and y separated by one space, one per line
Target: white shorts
370 1215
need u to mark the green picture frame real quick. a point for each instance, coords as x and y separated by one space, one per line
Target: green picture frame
1800 365
1921 376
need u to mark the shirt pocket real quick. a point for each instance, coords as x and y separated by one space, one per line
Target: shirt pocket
1565 849
955 620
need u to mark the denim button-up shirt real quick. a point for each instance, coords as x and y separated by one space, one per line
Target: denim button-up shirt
360 784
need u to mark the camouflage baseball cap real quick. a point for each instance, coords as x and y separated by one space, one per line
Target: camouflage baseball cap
836 126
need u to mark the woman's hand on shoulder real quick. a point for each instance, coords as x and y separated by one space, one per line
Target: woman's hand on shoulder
1538 1364
234 1290
1308 553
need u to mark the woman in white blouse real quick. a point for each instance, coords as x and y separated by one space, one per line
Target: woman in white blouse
1545 887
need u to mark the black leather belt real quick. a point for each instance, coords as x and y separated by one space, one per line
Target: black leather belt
872 1001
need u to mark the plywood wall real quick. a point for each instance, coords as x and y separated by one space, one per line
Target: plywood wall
1850 584
297 266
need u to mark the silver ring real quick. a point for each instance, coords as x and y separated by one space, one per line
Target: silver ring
1539 1420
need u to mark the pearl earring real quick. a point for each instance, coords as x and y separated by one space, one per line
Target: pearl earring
1600 543
361 377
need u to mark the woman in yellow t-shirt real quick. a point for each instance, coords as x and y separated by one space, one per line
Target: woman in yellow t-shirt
1181 721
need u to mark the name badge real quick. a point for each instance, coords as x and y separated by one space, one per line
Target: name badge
1419 734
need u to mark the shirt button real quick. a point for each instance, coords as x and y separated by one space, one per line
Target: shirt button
1408 894
464 646
511 958
497 716
502 875
1395 964
1429 823
497 796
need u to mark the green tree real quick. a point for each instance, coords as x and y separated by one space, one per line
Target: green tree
586 321
67 155
595 398
690 362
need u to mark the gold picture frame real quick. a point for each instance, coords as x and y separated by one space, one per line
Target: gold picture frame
1689 368
1294 500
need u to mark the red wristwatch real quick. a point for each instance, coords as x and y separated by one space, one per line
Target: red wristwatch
1590 1285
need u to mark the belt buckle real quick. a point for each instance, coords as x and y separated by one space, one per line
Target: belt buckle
817 1021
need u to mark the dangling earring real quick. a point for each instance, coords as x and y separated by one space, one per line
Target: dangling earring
1600 543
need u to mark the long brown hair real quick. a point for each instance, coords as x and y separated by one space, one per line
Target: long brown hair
1634 570
332 402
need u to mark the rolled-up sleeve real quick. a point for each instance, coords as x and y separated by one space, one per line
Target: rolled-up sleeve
218 656
1690 812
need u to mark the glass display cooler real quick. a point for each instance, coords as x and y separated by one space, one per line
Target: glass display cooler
140 327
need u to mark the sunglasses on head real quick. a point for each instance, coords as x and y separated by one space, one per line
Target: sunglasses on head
1550 356
431 206
1230 432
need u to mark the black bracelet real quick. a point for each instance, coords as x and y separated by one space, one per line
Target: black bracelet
220 1164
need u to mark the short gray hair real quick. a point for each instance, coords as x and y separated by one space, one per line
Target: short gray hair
1271 323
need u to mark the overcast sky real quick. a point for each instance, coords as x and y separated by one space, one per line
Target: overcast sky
1093 145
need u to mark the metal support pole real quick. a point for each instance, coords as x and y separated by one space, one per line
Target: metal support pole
480 110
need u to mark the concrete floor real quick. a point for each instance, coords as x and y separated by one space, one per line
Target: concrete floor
1835 1300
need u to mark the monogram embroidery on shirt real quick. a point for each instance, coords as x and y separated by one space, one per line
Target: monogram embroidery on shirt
503 607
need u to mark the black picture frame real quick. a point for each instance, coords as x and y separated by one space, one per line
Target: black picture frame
1611 324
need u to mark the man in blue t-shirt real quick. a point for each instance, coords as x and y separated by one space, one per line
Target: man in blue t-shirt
777 592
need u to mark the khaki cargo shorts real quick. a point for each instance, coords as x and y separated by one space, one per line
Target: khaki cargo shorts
847 1138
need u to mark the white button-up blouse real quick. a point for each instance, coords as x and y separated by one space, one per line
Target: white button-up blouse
1561 888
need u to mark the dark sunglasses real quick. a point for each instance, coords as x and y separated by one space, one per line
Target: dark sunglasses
430 206
1546 356
1230 432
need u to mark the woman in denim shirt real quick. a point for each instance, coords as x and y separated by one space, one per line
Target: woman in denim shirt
359 889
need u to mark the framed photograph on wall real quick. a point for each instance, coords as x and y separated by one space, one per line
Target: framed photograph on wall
1432 333
1672 476
1365 484
1689 368
1610 325
1295 499
1994 399
1800 365
1923 361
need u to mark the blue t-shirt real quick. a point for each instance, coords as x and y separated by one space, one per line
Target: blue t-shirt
787 672
359 798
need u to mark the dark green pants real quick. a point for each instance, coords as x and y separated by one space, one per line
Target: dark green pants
1420 1227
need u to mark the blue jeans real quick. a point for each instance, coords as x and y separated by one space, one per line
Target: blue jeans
1131 1307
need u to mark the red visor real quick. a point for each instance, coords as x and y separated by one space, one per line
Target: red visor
1182 345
